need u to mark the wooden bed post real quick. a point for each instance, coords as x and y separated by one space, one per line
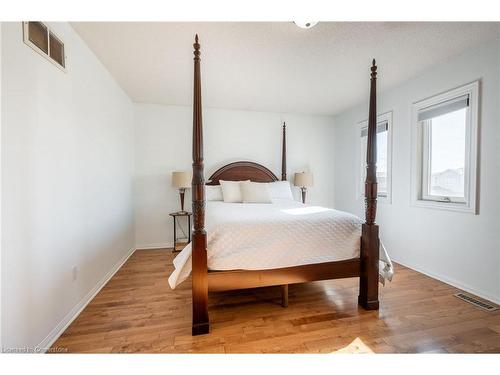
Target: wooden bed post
368 281
199 235
283 154
284 288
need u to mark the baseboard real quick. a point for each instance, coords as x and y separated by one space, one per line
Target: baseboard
155 246
452 282
75 311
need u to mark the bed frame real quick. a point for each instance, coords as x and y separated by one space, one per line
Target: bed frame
365 267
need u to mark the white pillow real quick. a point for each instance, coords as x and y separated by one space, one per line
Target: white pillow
280 190
213 192
231 191
255 192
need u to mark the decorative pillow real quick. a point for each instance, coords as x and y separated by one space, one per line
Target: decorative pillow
231 191
255 192
280 190
213 192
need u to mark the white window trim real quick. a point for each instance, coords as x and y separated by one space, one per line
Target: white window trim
29 43
417 166
360 191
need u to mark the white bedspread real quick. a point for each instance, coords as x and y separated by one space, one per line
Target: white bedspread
282 234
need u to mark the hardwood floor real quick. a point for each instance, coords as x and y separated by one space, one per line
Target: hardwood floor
138 312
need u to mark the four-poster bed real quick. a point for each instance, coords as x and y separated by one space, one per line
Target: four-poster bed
365 266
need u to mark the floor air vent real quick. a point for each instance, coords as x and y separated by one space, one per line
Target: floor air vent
483 305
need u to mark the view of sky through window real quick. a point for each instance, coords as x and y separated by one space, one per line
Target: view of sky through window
447 154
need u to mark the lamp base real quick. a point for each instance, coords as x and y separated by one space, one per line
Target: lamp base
304 190
181 193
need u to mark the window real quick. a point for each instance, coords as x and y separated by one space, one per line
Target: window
445 137
384 159
39 37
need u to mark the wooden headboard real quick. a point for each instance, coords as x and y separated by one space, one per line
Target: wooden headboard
241 171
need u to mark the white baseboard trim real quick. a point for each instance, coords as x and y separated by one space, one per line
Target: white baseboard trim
452 282
75 311
155 246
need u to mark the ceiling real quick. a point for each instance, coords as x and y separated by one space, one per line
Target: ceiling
272 66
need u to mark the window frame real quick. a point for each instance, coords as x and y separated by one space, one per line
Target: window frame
41 52
387 198
421 141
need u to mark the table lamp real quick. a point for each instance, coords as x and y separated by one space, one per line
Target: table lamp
303 180
182 181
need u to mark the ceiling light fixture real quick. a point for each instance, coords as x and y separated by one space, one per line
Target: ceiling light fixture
305 25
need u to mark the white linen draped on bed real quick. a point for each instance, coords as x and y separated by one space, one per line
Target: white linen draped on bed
284 233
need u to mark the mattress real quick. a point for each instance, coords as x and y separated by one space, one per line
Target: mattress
284 233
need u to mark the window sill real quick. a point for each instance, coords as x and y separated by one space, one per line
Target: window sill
447 206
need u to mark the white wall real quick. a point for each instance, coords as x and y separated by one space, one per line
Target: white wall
163 144
1 315
462 249
67 167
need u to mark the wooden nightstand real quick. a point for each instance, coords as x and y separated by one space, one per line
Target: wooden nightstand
178 246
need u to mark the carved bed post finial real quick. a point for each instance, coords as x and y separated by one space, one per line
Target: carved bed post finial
198 183
371 152
199 235
283 154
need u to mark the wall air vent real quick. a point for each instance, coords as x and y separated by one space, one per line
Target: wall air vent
483 305
40 38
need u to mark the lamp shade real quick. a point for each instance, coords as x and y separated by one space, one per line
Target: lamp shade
303 179
181 179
